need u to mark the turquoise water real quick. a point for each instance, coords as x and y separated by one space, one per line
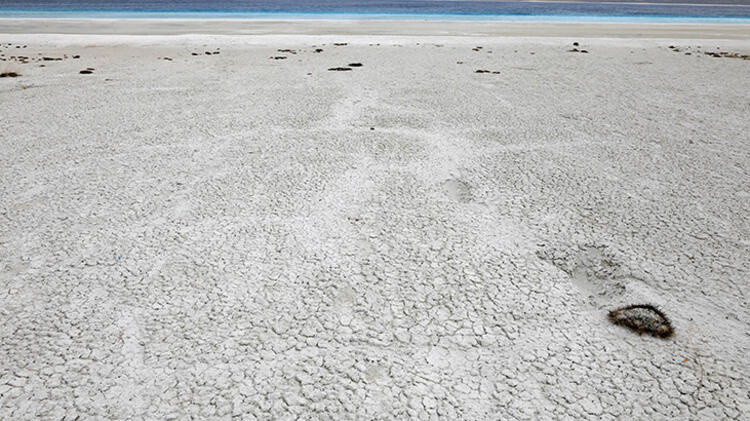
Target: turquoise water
607 11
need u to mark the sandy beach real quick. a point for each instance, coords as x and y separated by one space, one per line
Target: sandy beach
212 224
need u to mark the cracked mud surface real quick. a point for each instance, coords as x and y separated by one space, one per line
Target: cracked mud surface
225 236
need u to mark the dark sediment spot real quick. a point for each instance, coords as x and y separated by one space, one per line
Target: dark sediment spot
339 69
726 54
318 50
575 44
208 53
584 51
278 58
76 56
194 54
340 44
459 62
642 318
287 50
495 72
168 58
481 71
354 64
51 58
9 74
86 72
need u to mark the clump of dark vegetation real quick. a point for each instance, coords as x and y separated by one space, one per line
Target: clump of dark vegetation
642 318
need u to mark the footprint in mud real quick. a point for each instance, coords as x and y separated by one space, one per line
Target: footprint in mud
364 246
594 273
458 190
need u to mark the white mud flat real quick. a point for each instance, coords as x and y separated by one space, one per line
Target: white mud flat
233 234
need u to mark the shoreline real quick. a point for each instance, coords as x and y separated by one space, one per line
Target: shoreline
122 26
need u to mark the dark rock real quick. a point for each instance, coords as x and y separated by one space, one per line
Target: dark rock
9 74
575 44
278 58
318 50
286 50
194 54
481 71
340 44
339 69
86 72
76 56
354 64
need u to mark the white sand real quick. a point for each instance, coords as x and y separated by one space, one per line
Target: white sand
224 235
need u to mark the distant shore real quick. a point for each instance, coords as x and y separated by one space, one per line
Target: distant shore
369 27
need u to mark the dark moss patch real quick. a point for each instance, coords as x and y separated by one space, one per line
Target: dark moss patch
642 318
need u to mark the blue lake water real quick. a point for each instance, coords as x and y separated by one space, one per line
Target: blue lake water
729 11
